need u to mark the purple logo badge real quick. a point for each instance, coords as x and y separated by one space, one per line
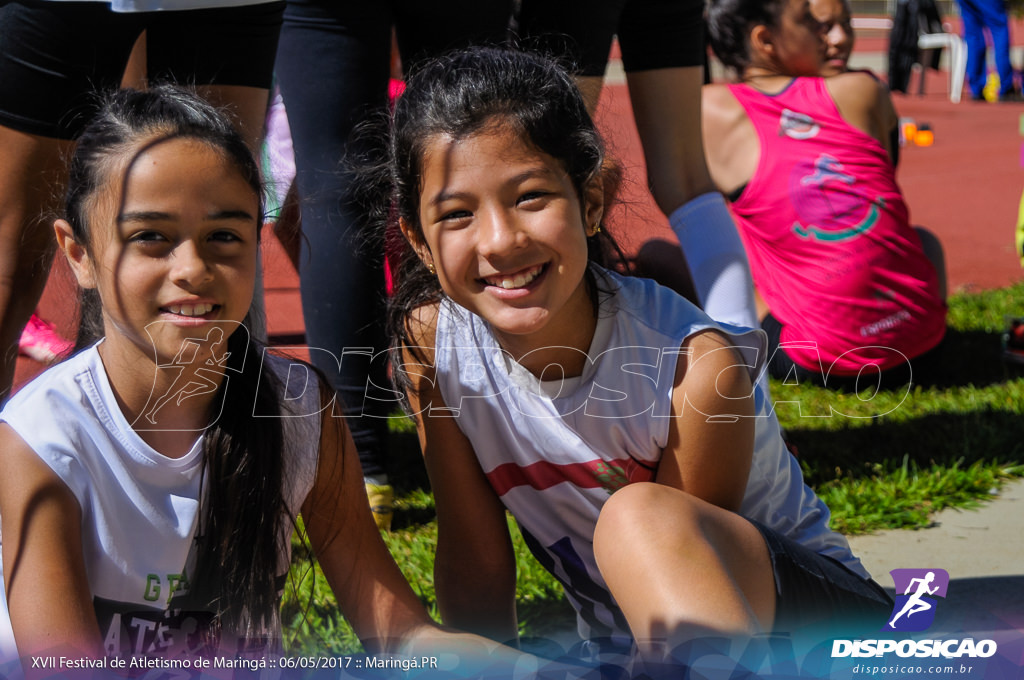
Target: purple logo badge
916 590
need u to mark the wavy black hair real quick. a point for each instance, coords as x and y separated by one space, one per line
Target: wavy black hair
460 94
243 513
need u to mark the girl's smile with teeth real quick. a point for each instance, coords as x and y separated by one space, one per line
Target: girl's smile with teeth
506 230
518 280
176 247
200 309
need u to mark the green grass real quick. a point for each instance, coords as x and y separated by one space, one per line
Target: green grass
881 460
891 459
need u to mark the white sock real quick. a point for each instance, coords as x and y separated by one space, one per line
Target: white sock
718 263
717 260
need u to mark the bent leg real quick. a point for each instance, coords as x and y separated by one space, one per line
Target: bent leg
680 567
919 607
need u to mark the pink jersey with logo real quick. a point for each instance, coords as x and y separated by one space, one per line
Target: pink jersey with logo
829 239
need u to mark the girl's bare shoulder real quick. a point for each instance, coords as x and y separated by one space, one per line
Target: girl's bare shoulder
718 102
864 102
730 140
857 90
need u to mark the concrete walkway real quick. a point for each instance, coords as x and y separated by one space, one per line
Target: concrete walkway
981 549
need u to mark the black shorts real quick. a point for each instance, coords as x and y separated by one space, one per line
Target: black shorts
54 56
782 367
813 591
652 34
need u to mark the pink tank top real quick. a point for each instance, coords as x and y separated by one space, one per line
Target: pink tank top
829 239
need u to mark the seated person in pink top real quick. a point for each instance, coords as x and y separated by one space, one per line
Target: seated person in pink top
807 163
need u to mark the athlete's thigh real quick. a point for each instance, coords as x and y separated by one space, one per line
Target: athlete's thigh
426 29
54 57
579 30
657 34
224 46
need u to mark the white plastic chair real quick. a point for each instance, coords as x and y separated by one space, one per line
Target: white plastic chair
931 41
957 59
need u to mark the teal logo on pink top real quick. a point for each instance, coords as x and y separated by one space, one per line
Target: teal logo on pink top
827 202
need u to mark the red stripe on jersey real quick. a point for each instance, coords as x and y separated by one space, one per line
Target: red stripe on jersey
591 474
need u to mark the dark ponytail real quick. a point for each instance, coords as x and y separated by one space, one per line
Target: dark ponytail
240 539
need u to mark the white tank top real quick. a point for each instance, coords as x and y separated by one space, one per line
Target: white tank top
139 507
554 451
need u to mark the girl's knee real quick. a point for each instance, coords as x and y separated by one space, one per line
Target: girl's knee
636 501
645 510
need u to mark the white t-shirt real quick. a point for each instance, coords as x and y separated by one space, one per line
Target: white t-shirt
139 507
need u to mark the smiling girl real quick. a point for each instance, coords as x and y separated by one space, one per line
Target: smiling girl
151 482
611 417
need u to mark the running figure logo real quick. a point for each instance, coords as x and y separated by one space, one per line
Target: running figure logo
915 592
198 368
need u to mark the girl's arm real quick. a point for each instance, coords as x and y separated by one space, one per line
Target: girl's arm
474 569
888 122
709 456
371 592
44 575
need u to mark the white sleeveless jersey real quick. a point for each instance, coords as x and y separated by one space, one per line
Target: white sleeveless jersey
139 508
555 450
